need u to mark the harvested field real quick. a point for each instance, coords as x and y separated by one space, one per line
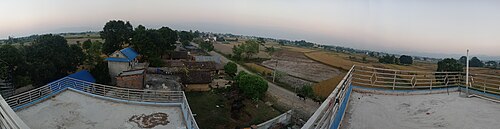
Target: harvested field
342 61
259 69
324 88
296 64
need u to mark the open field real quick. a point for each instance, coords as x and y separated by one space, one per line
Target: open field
341 60
259 69
227 48
81 40
324 88
213 111
441 111
296 64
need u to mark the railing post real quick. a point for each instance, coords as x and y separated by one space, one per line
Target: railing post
484 86
394 81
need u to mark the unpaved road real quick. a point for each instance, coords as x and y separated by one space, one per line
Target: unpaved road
282 95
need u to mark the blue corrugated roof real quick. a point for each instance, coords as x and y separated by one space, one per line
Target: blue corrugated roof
117 59
83 75
129 53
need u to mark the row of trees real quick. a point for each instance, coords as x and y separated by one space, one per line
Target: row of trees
403 59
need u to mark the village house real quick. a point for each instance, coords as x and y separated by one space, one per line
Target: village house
123 60
133 79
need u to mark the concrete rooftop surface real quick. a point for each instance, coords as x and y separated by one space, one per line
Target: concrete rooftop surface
443 111
73 110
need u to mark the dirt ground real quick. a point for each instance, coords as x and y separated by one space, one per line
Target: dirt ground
297 64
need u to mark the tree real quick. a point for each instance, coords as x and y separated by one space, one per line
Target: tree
231 68
50 58
100 72
251 47
252 86
152 44
491 64
185 36
449 65
462 60
207 46
115 33
261 40
237 52
404 59
475 62
14 59
168 38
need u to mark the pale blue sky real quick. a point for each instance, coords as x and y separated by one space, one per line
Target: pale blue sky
399 26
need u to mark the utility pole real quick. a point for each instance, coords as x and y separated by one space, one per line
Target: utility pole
467 74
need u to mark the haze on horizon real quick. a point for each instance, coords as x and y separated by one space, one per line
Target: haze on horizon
434 28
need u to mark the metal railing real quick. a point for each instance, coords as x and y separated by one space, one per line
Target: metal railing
123 94
329 109
332 109
8 118
400 79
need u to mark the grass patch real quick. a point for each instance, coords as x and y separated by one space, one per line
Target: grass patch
209 116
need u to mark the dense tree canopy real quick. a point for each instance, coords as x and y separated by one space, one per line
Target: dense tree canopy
13 60
152 43
387 59
50 58
252 86
449 65
116 33
475 62
462 60
404 59
231 68
186 36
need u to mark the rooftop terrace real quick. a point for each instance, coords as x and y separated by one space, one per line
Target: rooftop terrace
72 110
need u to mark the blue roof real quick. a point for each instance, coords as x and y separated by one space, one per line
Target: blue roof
117 59
129 53
83 75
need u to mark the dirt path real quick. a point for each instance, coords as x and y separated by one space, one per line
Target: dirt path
283 96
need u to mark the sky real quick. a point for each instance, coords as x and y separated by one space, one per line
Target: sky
435 28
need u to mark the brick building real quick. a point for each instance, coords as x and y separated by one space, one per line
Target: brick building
131 79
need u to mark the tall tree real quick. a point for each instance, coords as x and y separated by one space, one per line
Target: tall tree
251 47
115 33
50 58
237 52
462 60
167 40
13 59
475 62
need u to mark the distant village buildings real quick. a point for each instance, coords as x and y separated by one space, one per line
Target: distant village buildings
186 68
